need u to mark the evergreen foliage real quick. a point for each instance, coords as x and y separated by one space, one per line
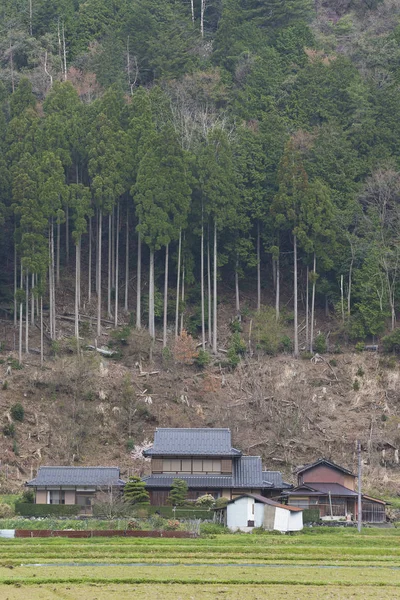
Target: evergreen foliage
178 494
135 491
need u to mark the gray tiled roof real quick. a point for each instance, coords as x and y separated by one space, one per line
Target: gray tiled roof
84 476
321 489
181 441
247 472
273 479
323 461
193 481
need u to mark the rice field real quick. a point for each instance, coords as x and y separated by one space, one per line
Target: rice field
319 563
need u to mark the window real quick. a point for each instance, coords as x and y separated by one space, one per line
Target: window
56 497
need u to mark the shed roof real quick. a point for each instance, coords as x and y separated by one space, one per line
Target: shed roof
181 441
268 501
84 476
324 461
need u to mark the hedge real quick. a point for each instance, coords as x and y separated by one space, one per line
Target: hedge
46 510
311 515
179 513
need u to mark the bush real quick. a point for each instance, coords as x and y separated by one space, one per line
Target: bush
221 502
203 358
17 412
212 529
320 343
356 385
9 429
267 331
235 326
121 336
207 500
28 496
46 510
237 348
6 511
135 491
311 515
178 493
286 344
391 342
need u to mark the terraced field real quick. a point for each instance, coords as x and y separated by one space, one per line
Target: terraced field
329 564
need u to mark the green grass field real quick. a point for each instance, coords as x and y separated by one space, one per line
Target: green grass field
330 563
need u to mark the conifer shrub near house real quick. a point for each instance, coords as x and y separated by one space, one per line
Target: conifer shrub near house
178 493
17 412
135 491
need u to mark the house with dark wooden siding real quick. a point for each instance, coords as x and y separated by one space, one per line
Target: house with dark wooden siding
206 460
331 489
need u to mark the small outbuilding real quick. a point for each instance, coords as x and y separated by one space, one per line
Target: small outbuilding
252 510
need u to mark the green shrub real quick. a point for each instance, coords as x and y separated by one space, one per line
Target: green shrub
235 326
267 331
17 412
5 385
221 502
203 358
207 501
391 342
179 491
6 511
360 372
9 429
121 336
130 444
46 510
359 347
306 355
28 496
356 385
333 362
311 515
286 344
135 491
212 528
320 343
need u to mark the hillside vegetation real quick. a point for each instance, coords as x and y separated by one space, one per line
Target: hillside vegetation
218 182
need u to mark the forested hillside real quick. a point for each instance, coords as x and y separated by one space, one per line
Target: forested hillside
226 168
189 145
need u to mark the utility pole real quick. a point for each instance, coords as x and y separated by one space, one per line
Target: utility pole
359 487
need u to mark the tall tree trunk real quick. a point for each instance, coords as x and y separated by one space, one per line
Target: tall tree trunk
313 303
67 234
33 299
113 237
278 288
202 11
127 261
27 313
64 53
79 272
58 253
165 296
90 262
209 288
116 269
109 267
274 272
151 295
203 325
307 311
178 279
99 235
20 319
349 286
215 349
41 331
237 296
258 268
192 9
139 284
97 251
15 282
183 293
77 263
296 330
50 289
52 285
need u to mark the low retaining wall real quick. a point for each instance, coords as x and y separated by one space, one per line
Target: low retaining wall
31 533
